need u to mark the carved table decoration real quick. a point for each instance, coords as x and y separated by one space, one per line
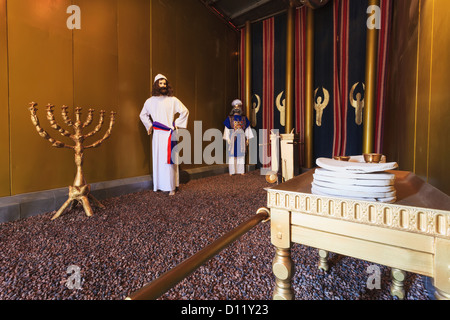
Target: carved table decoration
79 192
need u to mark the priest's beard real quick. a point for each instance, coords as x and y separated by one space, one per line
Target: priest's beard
236 111
163 91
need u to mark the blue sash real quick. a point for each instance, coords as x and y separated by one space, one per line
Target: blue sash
170 144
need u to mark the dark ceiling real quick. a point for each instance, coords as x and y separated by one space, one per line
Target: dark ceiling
237 12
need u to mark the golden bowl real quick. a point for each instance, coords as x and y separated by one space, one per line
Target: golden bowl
342 158
372 157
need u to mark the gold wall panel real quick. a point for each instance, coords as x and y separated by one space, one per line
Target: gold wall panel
5 182
96 80
134 88
401 86
439 130
111 72
40 70
417 116
425 37
173 49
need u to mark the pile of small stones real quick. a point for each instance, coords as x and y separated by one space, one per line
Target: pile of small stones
139 236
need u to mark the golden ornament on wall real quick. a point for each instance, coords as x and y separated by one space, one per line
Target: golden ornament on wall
255 109
357 103
79 192
281 106
320 105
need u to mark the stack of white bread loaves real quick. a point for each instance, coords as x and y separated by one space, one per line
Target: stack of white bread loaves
355 179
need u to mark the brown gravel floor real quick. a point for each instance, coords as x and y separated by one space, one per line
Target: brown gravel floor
140 236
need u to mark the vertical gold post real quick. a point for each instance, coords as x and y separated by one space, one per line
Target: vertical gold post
248 77
248 69
290 63
371 83
309 99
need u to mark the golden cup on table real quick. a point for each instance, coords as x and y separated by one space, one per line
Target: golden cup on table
372 157
341 158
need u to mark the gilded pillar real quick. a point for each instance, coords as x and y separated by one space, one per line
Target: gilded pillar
371 86
290 69
309 88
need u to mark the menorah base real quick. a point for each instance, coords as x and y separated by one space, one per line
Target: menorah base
79 195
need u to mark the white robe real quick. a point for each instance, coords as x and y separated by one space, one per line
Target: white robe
163 110
236 165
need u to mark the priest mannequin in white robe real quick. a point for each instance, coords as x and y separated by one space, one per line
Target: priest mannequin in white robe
237 133
158 116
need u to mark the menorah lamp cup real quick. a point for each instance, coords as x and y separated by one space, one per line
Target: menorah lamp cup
79 192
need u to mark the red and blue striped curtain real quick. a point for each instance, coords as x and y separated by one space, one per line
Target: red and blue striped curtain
268 99
300 77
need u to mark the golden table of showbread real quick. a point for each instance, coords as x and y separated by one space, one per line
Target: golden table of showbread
410 235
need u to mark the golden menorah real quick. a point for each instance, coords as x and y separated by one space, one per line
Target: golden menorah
79 192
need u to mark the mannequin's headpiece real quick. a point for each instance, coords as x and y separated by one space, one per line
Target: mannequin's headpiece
159 77
236 103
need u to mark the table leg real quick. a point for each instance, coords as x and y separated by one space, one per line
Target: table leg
283 269
323 260
441 273
441 295
397 288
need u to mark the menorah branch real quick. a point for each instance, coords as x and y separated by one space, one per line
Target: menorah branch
44 134
65 116
99 125
54 124
106 135
89 118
